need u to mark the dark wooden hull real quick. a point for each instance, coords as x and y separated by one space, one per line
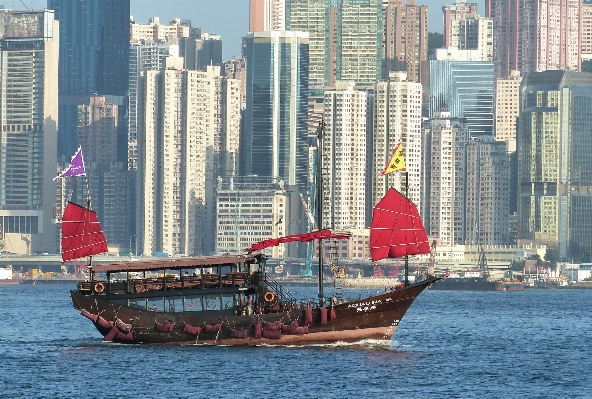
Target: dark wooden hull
374 317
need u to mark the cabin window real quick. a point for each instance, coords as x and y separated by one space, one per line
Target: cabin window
156 304
212 302
227 301
174 305
193 304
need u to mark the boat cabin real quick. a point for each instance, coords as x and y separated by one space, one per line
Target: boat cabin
232 285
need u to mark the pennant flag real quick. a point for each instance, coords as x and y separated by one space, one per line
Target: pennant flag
397 161
76 167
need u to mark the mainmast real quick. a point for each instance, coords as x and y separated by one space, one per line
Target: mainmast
407 256
320 131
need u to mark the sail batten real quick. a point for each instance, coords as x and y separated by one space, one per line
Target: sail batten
82 235
397 229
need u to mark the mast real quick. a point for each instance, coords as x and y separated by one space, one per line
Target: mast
407 256
320 131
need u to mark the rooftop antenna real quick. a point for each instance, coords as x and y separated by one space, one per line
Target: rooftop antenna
28 9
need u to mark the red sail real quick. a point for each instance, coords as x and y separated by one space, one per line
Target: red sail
305 237
82 235
397 229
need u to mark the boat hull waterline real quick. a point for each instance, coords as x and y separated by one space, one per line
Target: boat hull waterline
375 317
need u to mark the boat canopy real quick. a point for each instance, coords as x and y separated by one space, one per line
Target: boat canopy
397 229
304 237
176 263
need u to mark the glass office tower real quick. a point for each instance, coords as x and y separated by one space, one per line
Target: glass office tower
465 88
276 132
94 60
554 144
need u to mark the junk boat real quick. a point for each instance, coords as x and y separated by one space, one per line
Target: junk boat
230 299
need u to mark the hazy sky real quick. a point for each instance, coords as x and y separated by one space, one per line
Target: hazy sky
228 18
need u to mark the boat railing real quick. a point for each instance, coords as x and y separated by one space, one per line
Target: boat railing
282 293
137 285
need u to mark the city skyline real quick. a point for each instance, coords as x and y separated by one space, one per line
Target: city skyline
233 23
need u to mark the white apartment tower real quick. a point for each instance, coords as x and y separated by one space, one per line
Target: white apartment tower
442 178
344 157
145 55
180 139
397 119
153 30
507 108
586 35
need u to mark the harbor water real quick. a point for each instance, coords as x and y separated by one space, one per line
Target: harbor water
450 344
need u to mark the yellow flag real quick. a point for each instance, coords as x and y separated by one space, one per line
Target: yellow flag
397 161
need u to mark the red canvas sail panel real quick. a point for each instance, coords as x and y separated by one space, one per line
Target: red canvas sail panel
305 237
397 229
82 235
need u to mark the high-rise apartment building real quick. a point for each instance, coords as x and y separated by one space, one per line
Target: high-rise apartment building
397 119
313 16
359 41
405 40
181 144
441 184
507 108
145 55
265 15
586 32
535 35
28 153
276 134
94 60
487 193
98 128
344 158
153 30
554 143
453 14
463 84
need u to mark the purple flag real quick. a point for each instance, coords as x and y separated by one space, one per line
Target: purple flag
76 167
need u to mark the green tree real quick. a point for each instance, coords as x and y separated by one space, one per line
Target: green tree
536 257
552 256
435 40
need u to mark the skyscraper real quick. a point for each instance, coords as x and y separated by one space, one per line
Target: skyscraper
267 15
554 143
184 140
275 135
405 43
535 35
28 74
145 55
467 30
507 108
462 84
313 16
359 41
397 119
94 59
453 13
344 157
